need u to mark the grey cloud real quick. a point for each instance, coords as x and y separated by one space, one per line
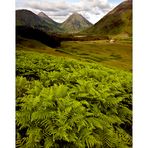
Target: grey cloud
83 5
46 6
58 13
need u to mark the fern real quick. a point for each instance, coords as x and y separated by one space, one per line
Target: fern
66 103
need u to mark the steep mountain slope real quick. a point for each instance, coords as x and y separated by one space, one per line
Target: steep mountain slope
29 19
47 19
117 21
75 23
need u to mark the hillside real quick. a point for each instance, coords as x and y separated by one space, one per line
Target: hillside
71 104
50 40
29 19
117 21
75 23
48 19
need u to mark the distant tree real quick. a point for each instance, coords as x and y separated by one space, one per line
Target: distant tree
28 32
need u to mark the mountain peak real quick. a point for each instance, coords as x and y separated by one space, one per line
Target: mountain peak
75 23
42 14
76 13
46 18
40 21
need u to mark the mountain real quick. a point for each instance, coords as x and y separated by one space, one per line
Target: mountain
118 21
29 19
75 23
43 15
47 19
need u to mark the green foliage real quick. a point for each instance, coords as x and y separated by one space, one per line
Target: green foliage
71 104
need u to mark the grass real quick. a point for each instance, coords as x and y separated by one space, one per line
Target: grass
33 45
118 54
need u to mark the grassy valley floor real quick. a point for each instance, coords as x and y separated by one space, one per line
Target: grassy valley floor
118 54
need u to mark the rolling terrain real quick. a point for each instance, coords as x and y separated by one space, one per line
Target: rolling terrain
117 55
74 87
92 46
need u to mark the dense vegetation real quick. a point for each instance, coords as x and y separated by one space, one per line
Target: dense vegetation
71 104
36 34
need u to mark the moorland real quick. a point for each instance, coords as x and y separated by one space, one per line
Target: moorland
74 80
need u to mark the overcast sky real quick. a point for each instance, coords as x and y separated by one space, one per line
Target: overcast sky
60 10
